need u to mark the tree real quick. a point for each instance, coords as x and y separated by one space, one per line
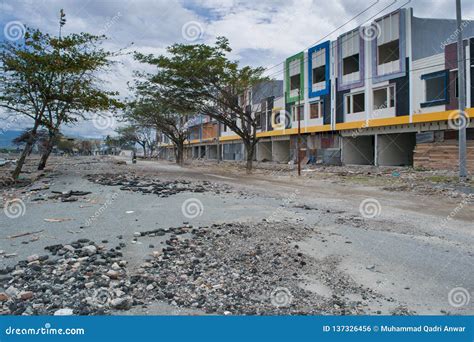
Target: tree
39 139
78 89
155 112
26 75
51 80
65 145
200 78
136 134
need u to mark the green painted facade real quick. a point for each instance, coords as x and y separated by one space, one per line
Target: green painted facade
300 57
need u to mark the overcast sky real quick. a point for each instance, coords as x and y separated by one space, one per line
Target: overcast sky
261 32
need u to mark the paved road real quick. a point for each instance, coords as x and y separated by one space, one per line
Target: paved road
408 252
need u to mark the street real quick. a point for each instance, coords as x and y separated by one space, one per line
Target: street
265 243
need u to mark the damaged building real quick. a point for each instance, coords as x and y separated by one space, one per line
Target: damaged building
383 94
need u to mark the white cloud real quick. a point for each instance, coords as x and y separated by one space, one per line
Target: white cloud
261 32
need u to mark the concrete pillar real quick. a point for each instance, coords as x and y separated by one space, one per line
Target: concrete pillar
376 154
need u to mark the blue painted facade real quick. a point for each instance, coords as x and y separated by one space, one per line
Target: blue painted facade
311 51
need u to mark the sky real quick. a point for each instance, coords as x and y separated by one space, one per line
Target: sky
261 33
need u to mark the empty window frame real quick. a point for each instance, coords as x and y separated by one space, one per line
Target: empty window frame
388 52
384 97
258 120
319 66
297 110
456 84
260 114
295 74
350 64
350 46
316 110
388 40
354 103
436 88
295 82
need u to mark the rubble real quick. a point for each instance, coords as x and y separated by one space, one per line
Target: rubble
236 267
64 312
68 280
68 196
149 185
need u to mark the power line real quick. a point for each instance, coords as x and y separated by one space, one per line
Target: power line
330 33
342 41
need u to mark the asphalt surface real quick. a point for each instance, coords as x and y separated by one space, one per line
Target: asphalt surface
408 252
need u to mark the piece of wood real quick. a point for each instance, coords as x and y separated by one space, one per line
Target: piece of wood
24 234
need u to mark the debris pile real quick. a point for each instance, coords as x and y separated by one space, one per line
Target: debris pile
238 269
148 185
81 278
68 196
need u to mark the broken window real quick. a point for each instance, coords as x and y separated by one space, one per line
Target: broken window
318 63
355 103
315 110
319 74
350 64
297 110
388 52
350 55
258 120
384 97
295 82
436 92
295 77
358 103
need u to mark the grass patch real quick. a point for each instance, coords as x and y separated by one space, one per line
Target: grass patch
441 179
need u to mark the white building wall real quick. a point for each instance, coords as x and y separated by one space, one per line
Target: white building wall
421 67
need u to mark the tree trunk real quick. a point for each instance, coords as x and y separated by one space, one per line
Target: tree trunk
26 151
250 151
46 153
180 154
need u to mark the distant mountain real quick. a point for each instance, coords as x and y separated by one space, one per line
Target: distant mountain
6 137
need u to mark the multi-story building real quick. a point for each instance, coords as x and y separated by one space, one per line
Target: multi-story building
380 94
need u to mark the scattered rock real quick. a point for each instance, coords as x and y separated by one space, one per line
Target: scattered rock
25 295
90 249
124 303
64 312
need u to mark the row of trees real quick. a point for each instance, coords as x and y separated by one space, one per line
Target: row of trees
190 79
53 81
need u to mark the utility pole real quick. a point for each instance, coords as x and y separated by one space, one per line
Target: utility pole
218 142
463 120
298 112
